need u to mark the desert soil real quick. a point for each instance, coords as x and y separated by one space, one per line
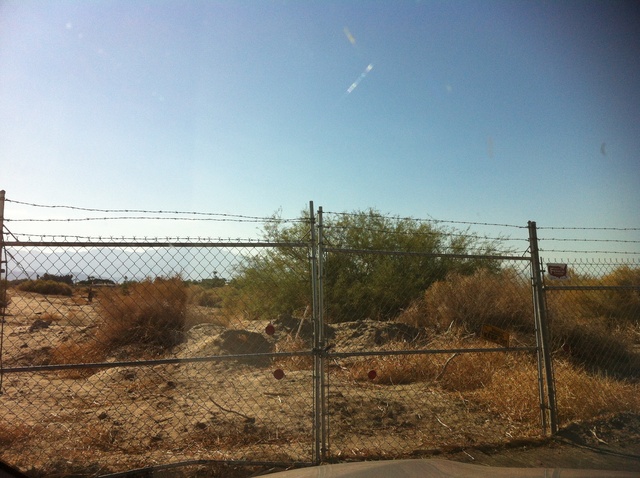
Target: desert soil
121 418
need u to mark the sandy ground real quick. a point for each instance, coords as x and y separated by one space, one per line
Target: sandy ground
122 418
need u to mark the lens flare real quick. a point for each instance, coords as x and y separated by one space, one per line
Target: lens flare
355 84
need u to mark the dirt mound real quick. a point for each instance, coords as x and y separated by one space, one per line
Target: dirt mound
299 327
367 333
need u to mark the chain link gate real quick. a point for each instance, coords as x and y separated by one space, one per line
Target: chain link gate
407 377
593 309
150 359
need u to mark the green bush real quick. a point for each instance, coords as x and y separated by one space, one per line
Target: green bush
46 287
356 285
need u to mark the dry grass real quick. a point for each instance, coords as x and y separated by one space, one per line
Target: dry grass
229 435
513 393
394 369
501 299
77 353
505 383
149 316
452 372
582 395
148 312
296 362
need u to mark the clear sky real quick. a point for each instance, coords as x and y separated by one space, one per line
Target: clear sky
490 111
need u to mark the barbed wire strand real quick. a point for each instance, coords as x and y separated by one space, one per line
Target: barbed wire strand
138 218
143 211
587 240
430 220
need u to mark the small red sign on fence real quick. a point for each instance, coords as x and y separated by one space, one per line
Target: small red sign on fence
557 271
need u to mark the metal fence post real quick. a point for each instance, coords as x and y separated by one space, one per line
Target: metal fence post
3 288
542 332
322 345
319 450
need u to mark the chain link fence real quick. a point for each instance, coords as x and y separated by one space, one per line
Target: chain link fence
427 352
149 357
594 315
336 336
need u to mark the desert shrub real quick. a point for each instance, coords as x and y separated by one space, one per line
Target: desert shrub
46 287
592 346
149 312
66 279
502 299
358 285
580 395
205 297
454 372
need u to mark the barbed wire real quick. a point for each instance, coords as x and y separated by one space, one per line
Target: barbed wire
587 240
223 216
430 220
66 239
588 228
428 233
137 218
564 251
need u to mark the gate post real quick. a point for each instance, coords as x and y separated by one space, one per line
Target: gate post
542 335
319 399
322 344
3 288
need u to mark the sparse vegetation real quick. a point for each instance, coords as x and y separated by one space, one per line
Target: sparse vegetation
46 287
500 298
357 286
592 352
205 297
65 279
149 313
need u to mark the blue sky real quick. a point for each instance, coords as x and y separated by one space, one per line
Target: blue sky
489 111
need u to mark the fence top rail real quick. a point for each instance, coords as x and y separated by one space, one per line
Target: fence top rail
158 244
427 254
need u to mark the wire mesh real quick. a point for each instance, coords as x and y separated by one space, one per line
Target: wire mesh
594 315
119 358
120 354
428 352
